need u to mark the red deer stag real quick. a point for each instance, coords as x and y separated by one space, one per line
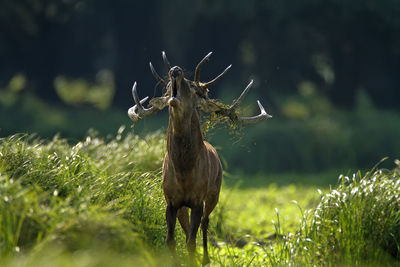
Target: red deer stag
192 171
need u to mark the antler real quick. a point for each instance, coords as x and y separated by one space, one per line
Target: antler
138 112
158 78
211 105
197 73
166 62
155 74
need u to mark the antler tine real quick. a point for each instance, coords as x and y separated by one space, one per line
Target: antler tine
198 68
166 62
255 119
210 83
158 78
136 97
138 112
248 120
239 100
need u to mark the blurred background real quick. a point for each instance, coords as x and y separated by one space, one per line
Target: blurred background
328 71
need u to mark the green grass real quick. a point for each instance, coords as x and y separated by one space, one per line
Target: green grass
98 194
356 223
99 202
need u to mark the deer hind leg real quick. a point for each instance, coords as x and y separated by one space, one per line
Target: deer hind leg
195 218
183 217
209 206
170 215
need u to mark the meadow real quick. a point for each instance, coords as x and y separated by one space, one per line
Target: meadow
98 202
317 185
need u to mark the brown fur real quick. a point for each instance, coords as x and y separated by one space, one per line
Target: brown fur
192 172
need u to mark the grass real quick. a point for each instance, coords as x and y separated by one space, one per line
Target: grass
97 194
356 223
99 203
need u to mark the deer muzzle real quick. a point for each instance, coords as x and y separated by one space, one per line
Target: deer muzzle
175 72
173 100
176 76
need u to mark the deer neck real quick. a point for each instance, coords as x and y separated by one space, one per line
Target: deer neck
184 140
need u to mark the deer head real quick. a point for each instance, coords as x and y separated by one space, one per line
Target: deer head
184 95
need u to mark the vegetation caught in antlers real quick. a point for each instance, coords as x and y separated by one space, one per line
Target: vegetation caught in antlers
203 101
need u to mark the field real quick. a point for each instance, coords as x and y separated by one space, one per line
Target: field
98 202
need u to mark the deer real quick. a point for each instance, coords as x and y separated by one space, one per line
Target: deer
192 170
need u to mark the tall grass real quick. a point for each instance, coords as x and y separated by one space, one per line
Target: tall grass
355 224
99 203
97 194
359 222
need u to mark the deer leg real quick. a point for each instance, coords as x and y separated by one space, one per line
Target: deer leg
195 218
170 215
204 227
209 206
183 217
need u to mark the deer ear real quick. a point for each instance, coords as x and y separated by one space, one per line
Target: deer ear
200 91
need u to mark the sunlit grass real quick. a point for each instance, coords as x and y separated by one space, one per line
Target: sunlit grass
96 194
251 211
99 203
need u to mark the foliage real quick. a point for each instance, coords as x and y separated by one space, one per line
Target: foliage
23 112
79 91
99 203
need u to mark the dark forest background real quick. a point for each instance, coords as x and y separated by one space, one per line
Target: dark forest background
327 70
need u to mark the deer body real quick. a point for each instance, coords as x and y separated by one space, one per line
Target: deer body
191 168
192 171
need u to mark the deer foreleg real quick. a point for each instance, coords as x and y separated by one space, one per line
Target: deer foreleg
195 218
183 217
170 215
